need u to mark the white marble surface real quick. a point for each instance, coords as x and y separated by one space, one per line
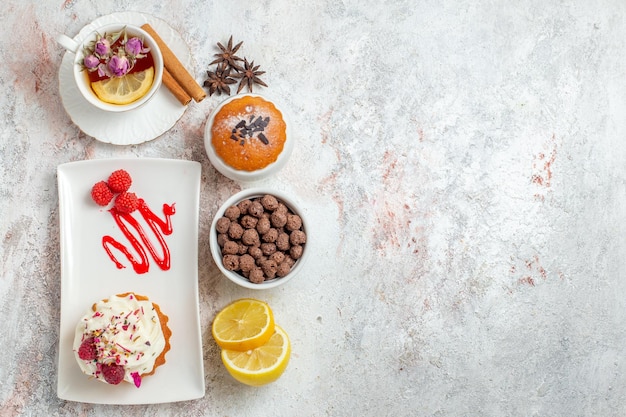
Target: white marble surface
464 163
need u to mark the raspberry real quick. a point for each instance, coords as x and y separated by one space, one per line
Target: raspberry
126 202
87 350
120 181
101 193
113 373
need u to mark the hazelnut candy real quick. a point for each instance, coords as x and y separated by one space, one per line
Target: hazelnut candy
243 206
278 219
283 269
269 202
294 222
255 209
231 262
250 237
235 231
256 275
263 225
221 226
268 248
282 241
297 237
230 248
296 251
249 222
246 263
270 236
232 213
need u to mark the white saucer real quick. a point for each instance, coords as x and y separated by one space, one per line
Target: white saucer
127 128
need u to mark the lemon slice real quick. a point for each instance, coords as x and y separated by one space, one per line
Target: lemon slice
243 325
262 365
126 89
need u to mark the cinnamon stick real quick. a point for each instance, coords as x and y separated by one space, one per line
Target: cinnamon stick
175 88
176 68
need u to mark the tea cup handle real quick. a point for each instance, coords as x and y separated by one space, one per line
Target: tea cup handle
68 43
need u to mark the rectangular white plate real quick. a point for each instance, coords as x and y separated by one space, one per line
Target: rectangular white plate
89 275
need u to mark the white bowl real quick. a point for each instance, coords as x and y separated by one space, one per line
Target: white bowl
217 253
241 175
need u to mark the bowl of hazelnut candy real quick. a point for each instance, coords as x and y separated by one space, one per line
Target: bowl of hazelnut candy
258 238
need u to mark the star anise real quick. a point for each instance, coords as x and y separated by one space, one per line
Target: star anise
220 80
227 55
249 75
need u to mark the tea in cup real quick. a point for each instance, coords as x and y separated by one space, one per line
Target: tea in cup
117 68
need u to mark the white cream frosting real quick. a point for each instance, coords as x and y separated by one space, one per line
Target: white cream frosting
126 331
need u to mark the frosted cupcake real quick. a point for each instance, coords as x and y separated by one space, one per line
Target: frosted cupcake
123 338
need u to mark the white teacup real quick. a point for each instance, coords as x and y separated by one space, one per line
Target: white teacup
81 76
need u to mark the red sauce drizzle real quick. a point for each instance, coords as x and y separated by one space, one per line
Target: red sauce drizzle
158 226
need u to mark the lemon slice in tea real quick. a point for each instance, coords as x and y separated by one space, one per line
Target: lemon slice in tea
126 89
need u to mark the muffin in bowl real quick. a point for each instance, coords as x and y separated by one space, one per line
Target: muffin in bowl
259 238
247 138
